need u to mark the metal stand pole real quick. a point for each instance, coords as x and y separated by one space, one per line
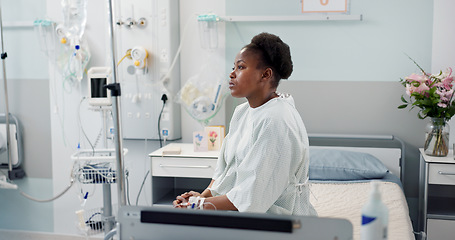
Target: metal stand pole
8 137
107 208
107 195
117 114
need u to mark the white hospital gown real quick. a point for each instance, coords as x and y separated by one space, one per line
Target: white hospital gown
263 163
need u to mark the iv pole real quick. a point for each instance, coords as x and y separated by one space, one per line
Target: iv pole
115 93
8 137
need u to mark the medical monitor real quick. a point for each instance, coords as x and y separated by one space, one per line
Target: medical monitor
98 77
139 222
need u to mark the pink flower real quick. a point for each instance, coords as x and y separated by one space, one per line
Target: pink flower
410 89
447 95
443 105
422 88
447 82
416 77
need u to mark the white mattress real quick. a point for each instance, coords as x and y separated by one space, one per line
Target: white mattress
346 199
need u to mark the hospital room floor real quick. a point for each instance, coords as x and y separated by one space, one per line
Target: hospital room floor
20 213
21 218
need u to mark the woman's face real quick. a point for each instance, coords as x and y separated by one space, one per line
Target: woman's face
245 76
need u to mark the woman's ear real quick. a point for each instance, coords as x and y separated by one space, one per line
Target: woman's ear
267 74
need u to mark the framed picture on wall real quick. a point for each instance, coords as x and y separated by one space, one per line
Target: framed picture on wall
325 6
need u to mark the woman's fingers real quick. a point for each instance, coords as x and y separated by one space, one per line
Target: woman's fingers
193 193
182 199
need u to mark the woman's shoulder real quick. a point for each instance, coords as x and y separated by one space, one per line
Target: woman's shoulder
283 105
241 108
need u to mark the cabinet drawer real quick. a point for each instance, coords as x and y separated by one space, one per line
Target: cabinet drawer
183 167
441 174
438 229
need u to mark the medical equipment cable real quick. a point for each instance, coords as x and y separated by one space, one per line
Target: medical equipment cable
179 49
112 233
95 225
146 158
81 127
164 99
53 198
98 138
142 185
127 175
86 194
60 116
127 55
210 204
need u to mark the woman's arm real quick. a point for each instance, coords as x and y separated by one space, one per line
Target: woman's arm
207 193
185 196
212 203
219 203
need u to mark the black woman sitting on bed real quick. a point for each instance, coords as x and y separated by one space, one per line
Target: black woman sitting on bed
263 162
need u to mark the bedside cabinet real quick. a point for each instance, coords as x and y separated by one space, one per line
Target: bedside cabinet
437 195
175 173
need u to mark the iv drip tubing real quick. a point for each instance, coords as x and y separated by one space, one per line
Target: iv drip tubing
51 199
8 137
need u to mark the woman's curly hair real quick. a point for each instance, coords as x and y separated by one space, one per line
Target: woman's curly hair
274 53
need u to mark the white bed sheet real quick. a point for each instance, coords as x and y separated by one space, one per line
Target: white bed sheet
346 199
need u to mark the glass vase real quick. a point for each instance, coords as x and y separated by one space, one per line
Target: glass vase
437 138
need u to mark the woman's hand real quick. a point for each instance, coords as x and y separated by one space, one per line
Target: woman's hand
181 200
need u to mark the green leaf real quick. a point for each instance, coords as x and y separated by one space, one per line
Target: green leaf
402 106
421 69
420 116
403 100
451 111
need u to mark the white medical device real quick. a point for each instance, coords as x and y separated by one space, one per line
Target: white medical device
138 222
98 78
139 56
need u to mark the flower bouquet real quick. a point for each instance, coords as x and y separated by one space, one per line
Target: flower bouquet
433 94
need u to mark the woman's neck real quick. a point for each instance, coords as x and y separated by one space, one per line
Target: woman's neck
255 102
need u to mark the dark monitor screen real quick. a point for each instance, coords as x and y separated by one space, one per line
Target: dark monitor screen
219 221
97 87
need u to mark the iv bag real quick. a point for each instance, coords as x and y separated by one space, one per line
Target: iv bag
208 32
203 94
75 18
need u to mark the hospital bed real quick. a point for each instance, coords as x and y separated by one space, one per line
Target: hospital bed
340 177
341 169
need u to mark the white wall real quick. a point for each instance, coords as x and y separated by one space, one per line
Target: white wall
443 43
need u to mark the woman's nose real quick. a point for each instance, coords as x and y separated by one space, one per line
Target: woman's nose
232 75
